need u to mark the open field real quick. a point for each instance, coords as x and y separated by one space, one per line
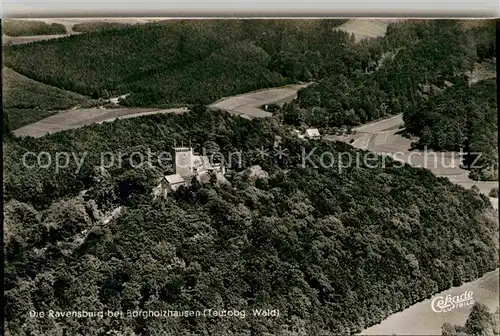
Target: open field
82 117
382 137
248 104
420 319
366 28
28 39
245 104
31 27
22 92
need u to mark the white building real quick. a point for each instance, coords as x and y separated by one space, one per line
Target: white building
187 165
312 133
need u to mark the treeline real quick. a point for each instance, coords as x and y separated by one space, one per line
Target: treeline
416 57
29 28
87 27
173 62
479 323
335 251
463 117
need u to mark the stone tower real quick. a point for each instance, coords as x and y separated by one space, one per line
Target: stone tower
183 161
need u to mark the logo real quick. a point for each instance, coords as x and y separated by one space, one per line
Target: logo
442 304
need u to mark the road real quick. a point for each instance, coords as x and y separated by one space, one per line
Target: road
382 137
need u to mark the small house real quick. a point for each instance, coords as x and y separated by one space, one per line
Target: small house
312 133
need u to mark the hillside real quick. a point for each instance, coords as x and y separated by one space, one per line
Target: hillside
169 63
26 101
424 73
310 242
29 28
461 118
419 56
332 237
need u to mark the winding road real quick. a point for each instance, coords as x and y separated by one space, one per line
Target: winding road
382 137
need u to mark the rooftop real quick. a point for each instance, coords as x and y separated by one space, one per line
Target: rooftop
174 179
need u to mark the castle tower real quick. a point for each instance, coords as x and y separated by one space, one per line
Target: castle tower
183 161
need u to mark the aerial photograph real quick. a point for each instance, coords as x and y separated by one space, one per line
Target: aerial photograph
250 177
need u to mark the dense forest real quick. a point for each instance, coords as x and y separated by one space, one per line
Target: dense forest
463 117
186 61
334 250
29 28
87 27
26 101
479 323
418 58
182 62
424 72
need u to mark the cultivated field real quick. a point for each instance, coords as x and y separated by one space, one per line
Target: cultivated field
420 319
248 104
28 39
82 117
26 101
245 104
